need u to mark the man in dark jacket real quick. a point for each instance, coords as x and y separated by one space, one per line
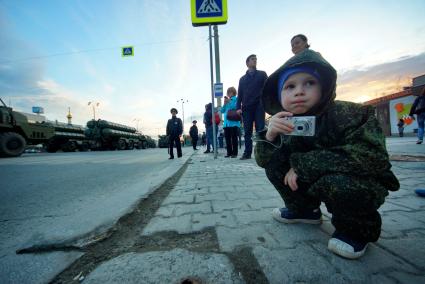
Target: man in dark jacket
249 105
174 131
209 128
344 164
193 132
418 108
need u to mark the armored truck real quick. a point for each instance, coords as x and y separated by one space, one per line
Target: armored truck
106 135
17 131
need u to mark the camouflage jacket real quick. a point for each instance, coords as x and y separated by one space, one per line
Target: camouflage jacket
348 140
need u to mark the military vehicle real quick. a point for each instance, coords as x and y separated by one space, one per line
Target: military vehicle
67 137
17 131
163 141
150 142
106 135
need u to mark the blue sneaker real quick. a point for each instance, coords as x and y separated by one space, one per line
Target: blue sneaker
345 246
284 215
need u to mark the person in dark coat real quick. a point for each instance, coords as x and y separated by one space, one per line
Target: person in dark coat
344 164
193 132
174 131
209 128
418 108
203 139
400 126
248 104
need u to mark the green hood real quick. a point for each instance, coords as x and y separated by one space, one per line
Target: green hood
306 58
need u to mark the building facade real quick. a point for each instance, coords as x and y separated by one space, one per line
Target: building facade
391 108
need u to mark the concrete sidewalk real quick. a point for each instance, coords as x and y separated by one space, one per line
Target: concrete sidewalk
225 205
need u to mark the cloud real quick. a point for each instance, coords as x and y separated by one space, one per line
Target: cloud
16 76
361 85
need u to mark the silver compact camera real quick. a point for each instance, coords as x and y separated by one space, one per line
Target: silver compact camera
303 125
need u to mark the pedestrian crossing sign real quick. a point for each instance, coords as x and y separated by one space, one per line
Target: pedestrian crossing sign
127 51
206 12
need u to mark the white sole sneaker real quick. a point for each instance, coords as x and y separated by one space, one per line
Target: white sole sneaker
277 216
343 249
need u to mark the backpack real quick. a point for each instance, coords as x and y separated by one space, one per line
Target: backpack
217 118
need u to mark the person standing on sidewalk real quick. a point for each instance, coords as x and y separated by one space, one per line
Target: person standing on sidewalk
418 108
174 131
208 128
193 132
400 126
230 126
344 164
248 103
203 139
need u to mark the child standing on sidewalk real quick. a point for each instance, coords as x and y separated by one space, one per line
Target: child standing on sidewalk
400 126
345 164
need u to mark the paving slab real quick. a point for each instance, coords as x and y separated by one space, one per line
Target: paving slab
166 267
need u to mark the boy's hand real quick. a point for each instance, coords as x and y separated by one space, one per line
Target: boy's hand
291 179
279 125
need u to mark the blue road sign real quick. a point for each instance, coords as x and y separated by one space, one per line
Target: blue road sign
218 90
209 8
205 12
127 51
38 110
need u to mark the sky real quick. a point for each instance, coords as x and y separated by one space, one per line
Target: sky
61 54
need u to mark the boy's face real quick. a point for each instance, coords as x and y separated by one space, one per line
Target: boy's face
173 113
300 93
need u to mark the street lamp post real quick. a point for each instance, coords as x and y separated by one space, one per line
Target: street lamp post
137 123
183 101
94 105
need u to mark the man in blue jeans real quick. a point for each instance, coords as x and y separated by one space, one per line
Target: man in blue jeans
418 108
249 105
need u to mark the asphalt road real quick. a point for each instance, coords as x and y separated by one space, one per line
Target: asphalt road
66 199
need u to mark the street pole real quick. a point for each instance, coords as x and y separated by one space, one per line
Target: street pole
183 114
217 61
212 96
94 105
183 101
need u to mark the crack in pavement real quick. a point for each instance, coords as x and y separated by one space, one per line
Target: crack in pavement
126 236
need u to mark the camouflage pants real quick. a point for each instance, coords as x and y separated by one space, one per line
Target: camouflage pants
353 201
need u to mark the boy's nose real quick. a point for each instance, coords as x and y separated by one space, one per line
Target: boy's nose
299 91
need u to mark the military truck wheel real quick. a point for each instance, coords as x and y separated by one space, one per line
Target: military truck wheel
130 145
84 147
121 145
138 145
69 146
12 144
51 146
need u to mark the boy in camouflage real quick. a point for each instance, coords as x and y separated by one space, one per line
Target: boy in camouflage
345 164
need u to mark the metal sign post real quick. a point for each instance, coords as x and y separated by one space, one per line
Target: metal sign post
207 13
212 97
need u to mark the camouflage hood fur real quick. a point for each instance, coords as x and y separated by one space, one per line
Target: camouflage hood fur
316 61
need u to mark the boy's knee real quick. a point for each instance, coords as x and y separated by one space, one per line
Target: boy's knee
350 192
